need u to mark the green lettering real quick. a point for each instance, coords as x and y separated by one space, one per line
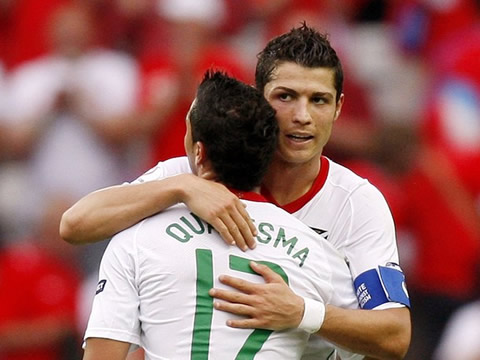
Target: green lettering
285 242
209 228
201 229
301 255
176 231
261 230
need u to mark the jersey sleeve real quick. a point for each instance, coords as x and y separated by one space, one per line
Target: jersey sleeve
115 309
371 250
165 169
370 234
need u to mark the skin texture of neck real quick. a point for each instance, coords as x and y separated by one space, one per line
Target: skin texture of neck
287 182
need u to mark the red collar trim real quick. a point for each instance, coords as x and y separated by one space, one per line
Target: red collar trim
248 195
301 201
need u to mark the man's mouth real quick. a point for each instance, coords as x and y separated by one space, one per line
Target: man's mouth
297 137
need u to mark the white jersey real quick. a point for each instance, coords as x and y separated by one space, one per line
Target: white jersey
344 208
155 276
351 214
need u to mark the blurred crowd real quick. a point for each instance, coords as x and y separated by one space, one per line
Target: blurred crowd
95 92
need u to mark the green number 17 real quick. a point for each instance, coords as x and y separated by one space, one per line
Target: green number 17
204 307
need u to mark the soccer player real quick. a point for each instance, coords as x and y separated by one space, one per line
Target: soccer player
155 276
301 76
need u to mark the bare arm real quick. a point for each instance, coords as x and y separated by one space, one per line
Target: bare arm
381 334
105 349
103 213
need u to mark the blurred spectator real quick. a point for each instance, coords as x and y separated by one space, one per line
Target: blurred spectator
3 137
68 116
460 339
423 25
22 25
170 79
438 210
442 183
39 280
133 27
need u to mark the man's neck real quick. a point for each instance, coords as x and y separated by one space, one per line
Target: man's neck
287 182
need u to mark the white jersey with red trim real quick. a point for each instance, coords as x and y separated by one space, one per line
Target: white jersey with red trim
351 214
354 217
155 276
344 208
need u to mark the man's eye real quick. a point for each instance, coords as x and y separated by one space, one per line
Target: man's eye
285 97
319 100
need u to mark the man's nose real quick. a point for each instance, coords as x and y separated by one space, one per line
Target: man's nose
302 112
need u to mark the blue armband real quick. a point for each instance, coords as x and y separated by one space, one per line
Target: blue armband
375 287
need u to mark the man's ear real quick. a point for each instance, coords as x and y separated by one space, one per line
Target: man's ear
202 164
338 106
200 154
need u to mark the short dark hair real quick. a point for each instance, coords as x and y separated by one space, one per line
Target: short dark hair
238 128
302 45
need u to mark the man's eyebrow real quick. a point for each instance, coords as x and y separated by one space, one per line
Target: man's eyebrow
284 88
292 91
323 93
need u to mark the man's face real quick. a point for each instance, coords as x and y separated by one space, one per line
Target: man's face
304 99
188 142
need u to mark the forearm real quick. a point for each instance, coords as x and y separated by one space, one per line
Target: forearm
380 334
105 349
103 213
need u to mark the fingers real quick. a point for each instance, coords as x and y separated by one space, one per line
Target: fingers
223 230
218 206
246 226
236 227
265 306
234 224
237 304
242 310
240 226
268 274
229 231
230 296
237 309
248 287
245 323
244 286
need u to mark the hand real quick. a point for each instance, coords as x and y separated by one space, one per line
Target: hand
272 305
218 206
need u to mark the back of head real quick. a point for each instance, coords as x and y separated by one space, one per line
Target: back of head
238 128
304 46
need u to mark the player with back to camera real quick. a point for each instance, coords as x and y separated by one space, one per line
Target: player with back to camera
301 76
155 276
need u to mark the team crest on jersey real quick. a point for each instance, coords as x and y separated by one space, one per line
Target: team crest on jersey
100 286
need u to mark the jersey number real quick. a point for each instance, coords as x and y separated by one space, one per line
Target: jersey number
204 308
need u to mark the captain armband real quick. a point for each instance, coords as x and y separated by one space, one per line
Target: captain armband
313 316
378 286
